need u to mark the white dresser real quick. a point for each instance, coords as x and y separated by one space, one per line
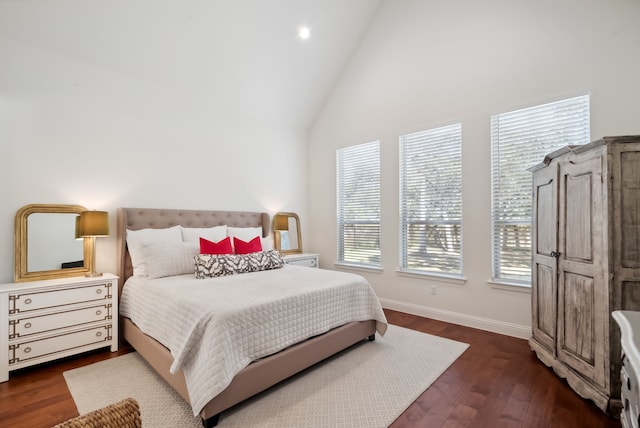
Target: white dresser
302 259
45 320
629 322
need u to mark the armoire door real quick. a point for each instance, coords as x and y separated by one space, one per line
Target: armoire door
583 299
544 264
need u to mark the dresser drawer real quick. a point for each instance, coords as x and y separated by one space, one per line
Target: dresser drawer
310 262
26 326
50 346
629 395
25 302
307 260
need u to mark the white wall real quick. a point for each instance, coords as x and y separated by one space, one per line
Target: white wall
425 64
193 104
82 134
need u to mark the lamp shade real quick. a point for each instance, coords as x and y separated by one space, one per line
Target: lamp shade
94 223
281 222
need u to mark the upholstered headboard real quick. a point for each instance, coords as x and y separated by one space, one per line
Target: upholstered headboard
155 218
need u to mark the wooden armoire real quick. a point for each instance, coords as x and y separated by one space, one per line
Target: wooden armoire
586 261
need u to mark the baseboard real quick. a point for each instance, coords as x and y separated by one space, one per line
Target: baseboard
494 326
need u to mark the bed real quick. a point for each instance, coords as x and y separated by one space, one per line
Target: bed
260 373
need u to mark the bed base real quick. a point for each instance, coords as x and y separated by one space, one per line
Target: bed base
257 376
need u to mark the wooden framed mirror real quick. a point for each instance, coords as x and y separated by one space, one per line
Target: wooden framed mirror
286 229
46 244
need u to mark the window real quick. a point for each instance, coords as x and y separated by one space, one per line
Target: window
519 140
358 203
431 201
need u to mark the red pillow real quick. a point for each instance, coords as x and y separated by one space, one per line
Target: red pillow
220 247
253 246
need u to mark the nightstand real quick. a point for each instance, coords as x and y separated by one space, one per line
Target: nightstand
56 318
302 259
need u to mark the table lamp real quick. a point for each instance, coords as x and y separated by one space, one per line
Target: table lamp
93 224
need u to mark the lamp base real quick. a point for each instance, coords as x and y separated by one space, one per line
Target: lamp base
93 274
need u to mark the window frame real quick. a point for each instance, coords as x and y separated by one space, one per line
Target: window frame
551 125
420 145
359 155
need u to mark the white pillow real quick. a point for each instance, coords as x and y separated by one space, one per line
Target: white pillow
136 237
213 234
166 258
267 243
245 234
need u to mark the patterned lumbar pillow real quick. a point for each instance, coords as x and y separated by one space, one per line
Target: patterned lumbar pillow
212 265
254 262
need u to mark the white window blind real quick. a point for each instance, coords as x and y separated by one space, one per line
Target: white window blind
431 201
519 140
358 204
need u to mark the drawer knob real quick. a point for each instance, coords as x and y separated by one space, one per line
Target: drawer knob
98 333
99 291
27 349
27 301
27 325
98 312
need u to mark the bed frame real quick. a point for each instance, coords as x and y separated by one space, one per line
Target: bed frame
259 375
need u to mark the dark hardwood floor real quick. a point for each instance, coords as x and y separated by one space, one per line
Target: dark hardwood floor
497 382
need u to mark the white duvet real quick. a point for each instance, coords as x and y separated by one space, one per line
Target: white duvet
215 327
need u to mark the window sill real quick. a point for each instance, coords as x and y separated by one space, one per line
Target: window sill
459 280
363 268
510 286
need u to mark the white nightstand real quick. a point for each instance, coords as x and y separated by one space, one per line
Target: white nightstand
302 259
56 318
629 322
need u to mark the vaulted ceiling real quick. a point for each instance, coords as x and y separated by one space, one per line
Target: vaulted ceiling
245 54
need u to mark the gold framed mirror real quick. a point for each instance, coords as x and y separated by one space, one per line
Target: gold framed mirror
46 245
286 230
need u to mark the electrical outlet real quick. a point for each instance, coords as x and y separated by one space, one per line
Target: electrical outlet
434 290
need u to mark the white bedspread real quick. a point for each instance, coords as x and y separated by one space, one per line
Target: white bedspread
215 327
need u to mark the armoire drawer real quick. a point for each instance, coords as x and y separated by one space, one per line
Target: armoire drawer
25 302
50 346
30 325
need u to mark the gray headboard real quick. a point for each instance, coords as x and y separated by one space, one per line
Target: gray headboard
156 218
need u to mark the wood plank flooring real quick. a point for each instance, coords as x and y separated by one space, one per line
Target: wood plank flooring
497 382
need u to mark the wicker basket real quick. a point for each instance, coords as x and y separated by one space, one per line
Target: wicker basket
123 414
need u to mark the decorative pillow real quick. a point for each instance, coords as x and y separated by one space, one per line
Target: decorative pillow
243 247
214 234
211 265
169 258
255 262
221 247
136 237
244 233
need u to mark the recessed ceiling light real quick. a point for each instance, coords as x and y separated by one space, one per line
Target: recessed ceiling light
304 32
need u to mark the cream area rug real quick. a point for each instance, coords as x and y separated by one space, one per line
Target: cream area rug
368 385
